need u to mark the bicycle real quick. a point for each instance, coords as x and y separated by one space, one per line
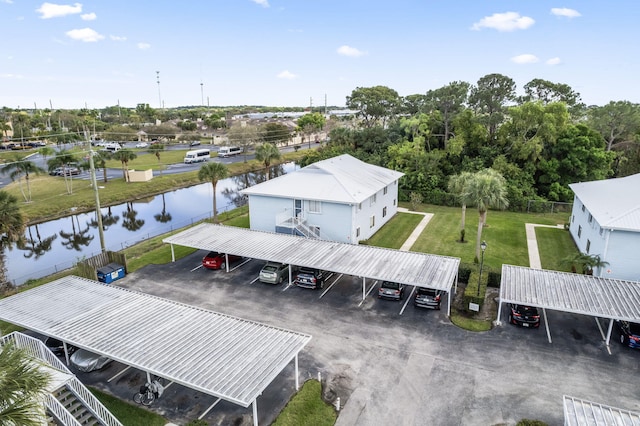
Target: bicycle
149 393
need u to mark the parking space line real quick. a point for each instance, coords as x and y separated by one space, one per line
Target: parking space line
331 285
118 374
368 292
196 268
291 284
407 301
254 280
242 264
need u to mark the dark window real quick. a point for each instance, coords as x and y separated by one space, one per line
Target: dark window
588 246
579 231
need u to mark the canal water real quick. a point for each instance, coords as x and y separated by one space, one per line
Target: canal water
59 244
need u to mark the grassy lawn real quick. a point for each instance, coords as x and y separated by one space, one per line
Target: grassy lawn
555 245
128 413
505 235
394 233
307 408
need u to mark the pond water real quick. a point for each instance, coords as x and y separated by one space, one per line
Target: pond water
59 244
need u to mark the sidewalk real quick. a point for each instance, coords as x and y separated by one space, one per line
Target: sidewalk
417 231
532 243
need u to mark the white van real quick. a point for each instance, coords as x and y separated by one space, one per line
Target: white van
112 147
197 156
228 151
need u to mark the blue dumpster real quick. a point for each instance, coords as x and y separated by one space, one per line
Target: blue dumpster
111 272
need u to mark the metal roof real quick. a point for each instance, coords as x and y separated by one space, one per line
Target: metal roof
220 355
419 269
564 291
614 203
578 412
341 179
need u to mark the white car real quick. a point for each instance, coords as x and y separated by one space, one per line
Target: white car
86 361
142 145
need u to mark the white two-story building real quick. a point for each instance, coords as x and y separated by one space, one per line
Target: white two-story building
605 221
340 199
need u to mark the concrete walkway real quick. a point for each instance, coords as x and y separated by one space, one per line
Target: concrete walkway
417 231
532 243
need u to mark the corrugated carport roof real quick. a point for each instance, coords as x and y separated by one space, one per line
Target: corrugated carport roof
578 412
419 269
576 293
220 355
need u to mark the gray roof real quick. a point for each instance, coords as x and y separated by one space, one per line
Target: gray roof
341 179
564 291
614 203
578 412
220 355
420 269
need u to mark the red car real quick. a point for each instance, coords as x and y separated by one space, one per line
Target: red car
215 260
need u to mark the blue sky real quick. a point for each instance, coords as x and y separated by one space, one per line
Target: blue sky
293 52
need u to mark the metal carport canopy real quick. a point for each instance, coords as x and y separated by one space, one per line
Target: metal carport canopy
417 269
576 293
220 355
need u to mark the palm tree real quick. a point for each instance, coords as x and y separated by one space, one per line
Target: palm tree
213 172
486 189
22 381
124 156
11 229
100 159
45 151
18 167
156 149
266 153
586 262
62 159
457 186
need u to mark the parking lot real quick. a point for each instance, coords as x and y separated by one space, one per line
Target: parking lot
390 363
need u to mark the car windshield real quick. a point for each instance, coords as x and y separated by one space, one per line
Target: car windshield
270 268
213 254
527 310
427 291
307 271
388 284
634 328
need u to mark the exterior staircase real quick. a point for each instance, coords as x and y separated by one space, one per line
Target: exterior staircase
76 407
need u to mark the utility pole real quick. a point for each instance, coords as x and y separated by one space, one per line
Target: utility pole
158 81
94 183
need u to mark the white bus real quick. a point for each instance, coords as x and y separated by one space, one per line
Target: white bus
228 151
197 156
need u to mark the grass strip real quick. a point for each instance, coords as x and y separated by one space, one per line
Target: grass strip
395 232
127 413
307 408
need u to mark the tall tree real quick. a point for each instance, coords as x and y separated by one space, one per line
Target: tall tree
22 381
124 156
617 122
486 189
275 133
243 135
375 105
266 153
310 123
489 99
100 159
19 167
449 100
156 149
11 230
547 92
458 186
64 159
213 172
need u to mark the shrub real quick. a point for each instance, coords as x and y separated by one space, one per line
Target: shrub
529 422
415 200
493 279
463 273
471 291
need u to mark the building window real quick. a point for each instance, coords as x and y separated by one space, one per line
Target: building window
357 232
385 190
394 201
315 206
588 246
590 218
372 221
372 200
573 217
384 211
579 231
583 207
359 206
601 231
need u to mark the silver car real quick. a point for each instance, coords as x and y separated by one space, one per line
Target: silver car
86 361
274 273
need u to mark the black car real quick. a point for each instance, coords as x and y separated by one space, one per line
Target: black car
524 316
427 298
57 347
391 290
311 278
629 333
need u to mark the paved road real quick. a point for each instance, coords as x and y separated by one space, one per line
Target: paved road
391 369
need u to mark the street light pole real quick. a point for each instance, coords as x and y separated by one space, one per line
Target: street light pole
483 247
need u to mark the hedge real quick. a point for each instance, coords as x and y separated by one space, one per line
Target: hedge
471 291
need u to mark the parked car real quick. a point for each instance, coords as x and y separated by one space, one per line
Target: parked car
215 260
311 278
86 361
427 298
57 347
391 290
629 333
194 143
524 316
142 145
65 171
274 273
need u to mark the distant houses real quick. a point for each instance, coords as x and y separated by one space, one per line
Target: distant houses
340 199
605 222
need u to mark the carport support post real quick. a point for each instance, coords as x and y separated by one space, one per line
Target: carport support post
546 324
499 311
255 412
609 331
296 368
226 261
364 287
66 352
173 254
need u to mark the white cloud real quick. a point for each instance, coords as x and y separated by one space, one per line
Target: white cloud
117 38
50 10
350 51
527 58
88 16
287 75
563 11
553 61
143 46
16 76
263 3
508 21
84 34
7 1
